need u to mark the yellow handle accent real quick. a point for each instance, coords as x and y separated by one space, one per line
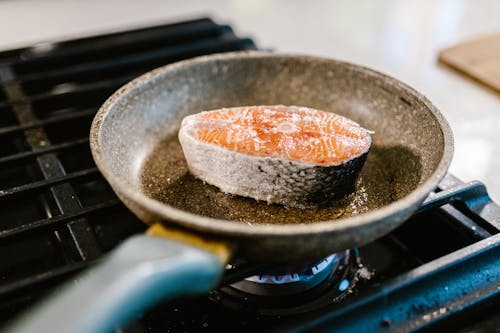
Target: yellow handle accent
221 249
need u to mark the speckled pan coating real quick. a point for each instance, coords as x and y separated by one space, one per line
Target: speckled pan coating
275 180
142 113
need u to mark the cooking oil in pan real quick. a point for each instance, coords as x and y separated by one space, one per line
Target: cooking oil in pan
388 174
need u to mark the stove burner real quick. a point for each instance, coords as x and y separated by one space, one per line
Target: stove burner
304 279
304 288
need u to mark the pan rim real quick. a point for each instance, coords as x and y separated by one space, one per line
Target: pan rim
232 228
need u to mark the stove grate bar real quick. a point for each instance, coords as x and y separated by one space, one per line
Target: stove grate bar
39 186
470 198
20 158
466 224
130 58
85 44
92 94
59 219
132 64
49 121
48 55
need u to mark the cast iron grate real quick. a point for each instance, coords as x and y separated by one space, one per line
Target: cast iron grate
57 213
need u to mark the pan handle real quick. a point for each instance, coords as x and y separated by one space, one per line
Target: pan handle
141 272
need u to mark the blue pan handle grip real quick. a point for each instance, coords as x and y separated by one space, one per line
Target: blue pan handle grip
138 274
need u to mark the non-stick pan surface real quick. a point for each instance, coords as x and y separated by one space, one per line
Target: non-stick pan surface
134 143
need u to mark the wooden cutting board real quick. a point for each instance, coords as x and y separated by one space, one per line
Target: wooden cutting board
478 58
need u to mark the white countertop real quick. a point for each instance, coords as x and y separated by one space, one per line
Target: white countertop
400 38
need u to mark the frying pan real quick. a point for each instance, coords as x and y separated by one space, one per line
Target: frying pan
195 229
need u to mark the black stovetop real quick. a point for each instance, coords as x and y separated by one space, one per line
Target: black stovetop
440 271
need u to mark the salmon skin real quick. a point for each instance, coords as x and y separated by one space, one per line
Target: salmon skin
290 155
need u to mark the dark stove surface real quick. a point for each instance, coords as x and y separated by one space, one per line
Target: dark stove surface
440 271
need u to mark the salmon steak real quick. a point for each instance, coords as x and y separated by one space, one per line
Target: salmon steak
289 155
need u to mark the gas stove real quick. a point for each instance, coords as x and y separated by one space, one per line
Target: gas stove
440 271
